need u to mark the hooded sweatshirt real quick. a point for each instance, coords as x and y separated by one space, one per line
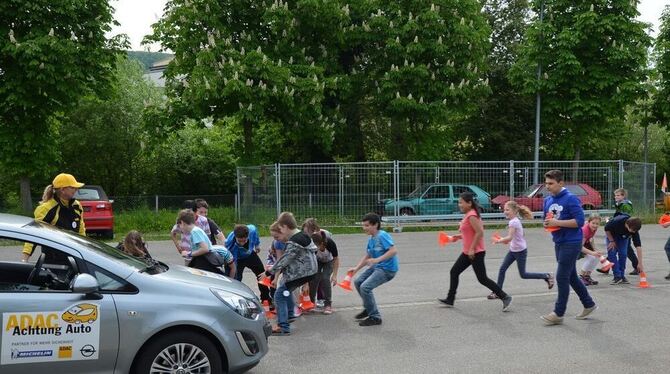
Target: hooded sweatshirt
299 259
565 206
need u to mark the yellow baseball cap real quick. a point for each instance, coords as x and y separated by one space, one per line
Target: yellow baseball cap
65 180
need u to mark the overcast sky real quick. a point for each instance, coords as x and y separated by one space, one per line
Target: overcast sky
136 17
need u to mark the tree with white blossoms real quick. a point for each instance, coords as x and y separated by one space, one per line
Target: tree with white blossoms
422 65
255 67
593 56
51 54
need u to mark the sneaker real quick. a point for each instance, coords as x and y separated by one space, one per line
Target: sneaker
602 271
507 302
591 281
370 322
279 332
492 296
615 281
320 303
585 313
668 276
634 272
624 281
552 319
362 315
550 281
328 310
447 301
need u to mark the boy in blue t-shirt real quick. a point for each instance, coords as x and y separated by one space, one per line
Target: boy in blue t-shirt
200 243
382 261
245 244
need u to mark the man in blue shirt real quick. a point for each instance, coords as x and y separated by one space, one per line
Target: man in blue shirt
563 210
245 244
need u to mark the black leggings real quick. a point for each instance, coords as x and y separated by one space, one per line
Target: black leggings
462 263
254 263
200 262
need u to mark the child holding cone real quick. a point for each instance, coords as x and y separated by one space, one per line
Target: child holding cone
382 262
518 250
472 233
664 221
297 265
591 256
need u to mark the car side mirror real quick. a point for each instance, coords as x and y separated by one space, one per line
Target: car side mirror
111 201
86 284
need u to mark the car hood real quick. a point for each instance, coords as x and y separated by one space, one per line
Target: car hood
186 275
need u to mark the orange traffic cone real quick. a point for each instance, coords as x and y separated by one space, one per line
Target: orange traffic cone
346 283
550 215
606 265
306 303
266 307
495 237
643 280
664 219
266 282
444 239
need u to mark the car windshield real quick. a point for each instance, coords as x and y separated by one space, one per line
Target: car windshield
530 191
417 192
96 246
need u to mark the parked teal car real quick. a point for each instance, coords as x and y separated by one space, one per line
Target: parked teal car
435 199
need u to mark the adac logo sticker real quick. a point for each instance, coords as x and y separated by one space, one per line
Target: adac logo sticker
68 334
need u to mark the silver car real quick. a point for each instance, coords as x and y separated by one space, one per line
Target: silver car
85 307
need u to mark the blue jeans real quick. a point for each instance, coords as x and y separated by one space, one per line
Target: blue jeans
667 249
368 281
284 305
566 277
618 256
520 258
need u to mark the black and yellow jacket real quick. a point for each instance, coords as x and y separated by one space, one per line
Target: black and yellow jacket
56 212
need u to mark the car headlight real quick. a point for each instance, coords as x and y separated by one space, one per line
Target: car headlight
245 307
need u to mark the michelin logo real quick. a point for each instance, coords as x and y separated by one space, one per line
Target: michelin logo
16 354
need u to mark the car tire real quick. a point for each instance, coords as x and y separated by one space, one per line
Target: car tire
406 212
156 351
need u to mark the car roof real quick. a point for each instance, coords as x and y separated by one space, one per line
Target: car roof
13 221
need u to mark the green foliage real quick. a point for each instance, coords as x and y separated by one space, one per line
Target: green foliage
193 160
51 54
661 104
102 139
147 59
503 127
593 57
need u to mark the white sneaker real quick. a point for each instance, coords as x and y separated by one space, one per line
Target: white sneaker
552 319
585 313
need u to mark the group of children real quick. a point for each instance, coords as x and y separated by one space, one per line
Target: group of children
306 261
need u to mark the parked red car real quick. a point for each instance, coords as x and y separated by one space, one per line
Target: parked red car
533 197
98 213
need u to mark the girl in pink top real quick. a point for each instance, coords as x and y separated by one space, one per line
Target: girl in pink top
517 246
472 233
591 256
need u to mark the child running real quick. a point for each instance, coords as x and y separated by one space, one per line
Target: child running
591 256
518 249
665 223
382 262
472 233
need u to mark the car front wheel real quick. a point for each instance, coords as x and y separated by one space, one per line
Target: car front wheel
406 212
179 352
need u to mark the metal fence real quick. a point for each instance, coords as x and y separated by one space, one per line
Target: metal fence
340 193
169 202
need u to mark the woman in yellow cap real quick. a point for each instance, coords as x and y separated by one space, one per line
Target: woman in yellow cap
59 208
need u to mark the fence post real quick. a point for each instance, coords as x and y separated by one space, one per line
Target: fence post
396 193
620 174
511 179
237 207
653 186
278 187
238 204
340 193
156 203
437 174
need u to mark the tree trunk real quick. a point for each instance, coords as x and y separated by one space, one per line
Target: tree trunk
26 199
575 165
